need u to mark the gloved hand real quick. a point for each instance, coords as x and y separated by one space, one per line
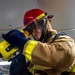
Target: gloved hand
15 38
18 66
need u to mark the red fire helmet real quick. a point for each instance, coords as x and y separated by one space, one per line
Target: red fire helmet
33 15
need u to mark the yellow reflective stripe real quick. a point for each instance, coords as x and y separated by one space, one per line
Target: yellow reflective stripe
40 16
35 68
22 31
29 49
38 68
31 70
26 33
72 69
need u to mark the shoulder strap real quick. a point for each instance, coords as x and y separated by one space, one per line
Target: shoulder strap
57 35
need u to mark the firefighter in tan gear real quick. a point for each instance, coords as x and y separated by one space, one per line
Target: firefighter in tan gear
51 53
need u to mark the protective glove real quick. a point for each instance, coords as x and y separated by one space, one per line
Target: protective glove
15 38
18 66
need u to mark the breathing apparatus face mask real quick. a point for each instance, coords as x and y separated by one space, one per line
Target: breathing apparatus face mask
39 24
38 28
35 25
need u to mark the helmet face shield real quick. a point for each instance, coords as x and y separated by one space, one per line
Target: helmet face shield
35 21
37 24
40 23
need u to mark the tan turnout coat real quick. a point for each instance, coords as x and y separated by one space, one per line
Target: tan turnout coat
54 57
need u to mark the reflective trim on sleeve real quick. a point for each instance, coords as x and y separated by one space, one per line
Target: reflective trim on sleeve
26 33
29 49
32 70
72 69
22 31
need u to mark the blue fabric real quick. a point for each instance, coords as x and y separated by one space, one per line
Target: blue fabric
19 66
15 38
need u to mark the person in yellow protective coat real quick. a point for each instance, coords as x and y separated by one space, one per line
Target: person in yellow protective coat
7 51
51 53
